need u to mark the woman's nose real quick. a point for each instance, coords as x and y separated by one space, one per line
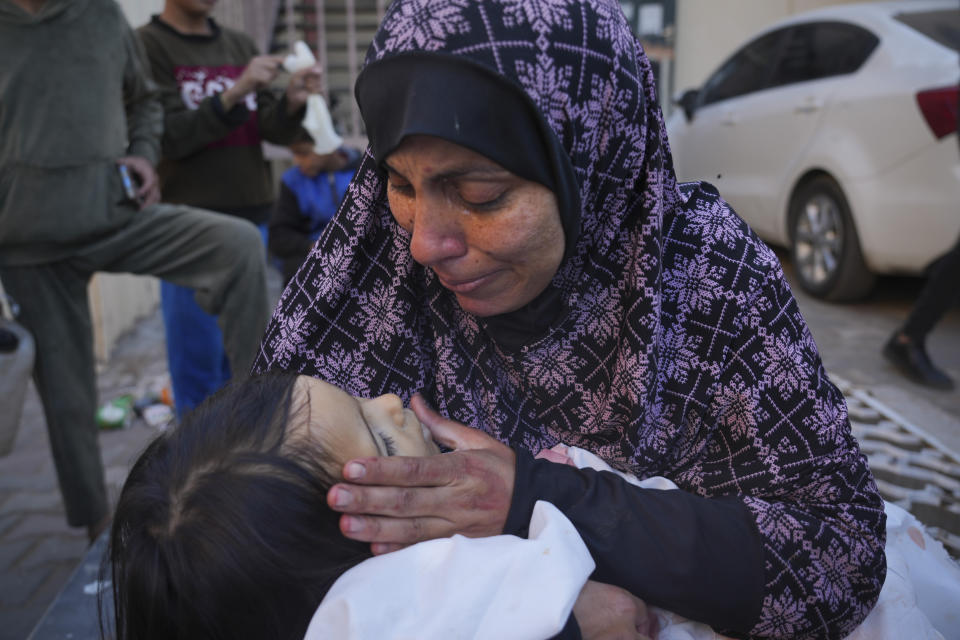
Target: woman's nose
437 233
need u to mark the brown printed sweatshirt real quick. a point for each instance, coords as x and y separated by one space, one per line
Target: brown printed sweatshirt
213 158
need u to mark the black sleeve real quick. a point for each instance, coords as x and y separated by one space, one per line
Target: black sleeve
698 557
289 236
570 631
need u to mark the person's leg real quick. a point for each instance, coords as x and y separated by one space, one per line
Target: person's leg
55 309
938 295
196 358
907 346
195 354
220 257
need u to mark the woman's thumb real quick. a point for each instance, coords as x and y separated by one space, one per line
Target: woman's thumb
449 433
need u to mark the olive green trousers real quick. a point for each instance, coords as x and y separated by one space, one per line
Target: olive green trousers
220 257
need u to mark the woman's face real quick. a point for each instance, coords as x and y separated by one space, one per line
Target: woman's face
349 427
492 238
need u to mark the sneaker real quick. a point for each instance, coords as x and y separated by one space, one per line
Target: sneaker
912 360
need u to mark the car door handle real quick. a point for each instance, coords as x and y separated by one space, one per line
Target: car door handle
729 118
809 106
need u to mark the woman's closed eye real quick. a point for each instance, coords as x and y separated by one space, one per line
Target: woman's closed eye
400 187
482 196
475 194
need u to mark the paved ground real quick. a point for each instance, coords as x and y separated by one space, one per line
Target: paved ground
899 424
851 336
38 552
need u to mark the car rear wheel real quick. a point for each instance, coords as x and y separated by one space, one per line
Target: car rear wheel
824 245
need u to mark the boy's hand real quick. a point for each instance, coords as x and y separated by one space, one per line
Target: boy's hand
259 72
302 84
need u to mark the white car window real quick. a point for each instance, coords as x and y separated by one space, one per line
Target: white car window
823 49
941 26
746 71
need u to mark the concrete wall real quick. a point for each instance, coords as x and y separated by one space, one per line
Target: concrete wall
708 31
138 12
117 301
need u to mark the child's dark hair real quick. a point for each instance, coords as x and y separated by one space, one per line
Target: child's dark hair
222 529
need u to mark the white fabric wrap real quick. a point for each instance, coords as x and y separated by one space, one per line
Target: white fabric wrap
499 587
317 120
506 587
920 598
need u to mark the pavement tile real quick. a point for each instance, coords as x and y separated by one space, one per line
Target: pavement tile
17 623
57 576
33 502
912 469
12 551
26 463
35 525
18 585
53 550
32 482
7 521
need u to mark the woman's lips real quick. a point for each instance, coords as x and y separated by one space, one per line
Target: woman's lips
468 285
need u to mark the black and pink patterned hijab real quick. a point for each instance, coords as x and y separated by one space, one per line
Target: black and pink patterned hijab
678 348
611 373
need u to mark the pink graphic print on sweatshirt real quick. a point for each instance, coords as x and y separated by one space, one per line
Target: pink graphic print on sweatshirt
196 83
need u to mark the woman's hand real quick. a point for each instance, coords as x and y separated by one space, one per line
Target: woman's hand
395 502
606 612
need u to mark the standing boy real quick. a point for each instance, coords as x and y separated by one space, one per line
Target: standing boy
217 107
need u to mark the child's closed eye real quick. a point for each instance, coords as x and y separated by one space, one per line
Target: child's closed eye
389 445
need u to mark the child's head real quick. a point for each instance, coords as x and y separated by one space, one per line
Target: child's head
222 529
311 163
347 427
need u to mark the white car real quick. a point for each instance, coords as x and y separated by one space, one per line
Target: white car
834 133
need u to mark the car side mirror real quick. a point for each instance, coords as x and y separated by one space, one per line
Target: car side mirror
688 102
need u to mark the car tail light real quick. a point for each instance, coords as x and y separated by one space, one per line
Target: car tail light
939 108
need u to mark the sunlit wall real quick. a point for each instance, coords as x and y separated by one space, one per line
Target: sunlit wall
138 12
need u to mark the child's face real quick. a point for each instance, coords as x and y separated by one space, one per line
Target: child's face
312 164
349 427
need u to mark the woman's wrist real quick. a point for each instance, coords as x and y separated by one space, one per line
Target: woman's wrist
523 498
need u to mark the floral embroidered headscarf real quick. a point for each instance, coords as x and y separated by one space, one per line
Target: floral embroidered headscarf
679 350
363 315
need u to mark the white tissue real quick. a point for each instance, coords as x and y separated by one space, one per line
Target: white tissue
301 58
319 125
317 120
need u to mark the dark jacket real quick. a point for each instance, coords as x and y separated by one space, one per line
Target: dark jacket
75 95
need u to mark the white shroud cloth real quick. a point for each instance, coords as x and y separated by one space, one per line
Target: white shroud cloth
507 587
498 587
